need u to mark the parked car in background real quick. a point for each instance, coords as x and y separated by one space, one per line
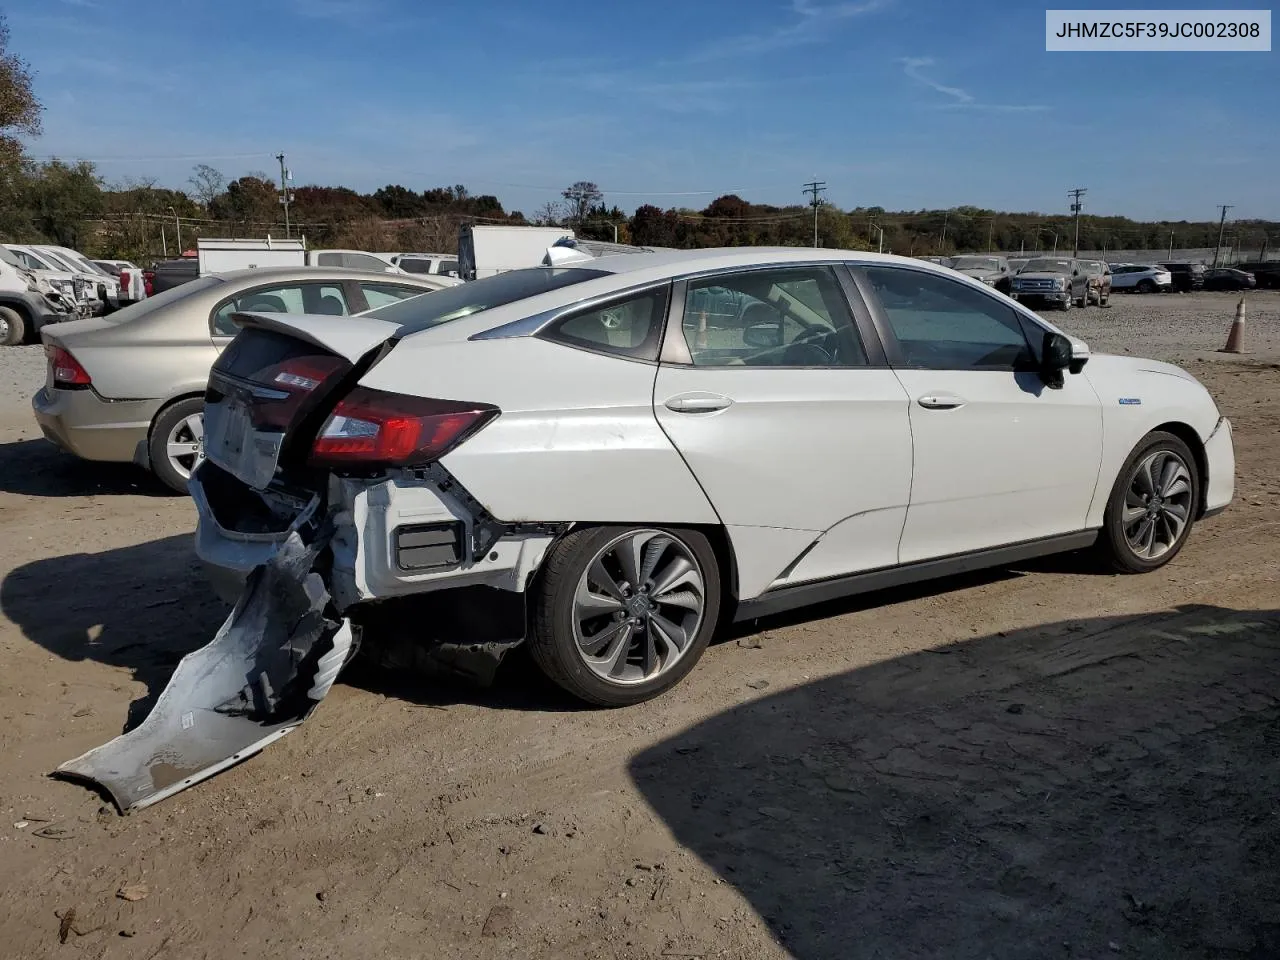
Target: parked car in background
27 302
1098 274
1141 278
940 261
432 263
167 274
1265 272
133 285
104 286
1186 277
353 260
68 283
484 251
1229 278
994 271
130 387
1056 281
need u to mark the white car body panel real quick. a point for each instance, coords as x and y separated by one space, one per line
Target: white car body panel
1138 396
800 449
576 441
1016 461
341 335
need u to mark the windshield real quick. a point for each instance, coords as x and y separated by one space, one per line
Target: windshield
976 263
10 259
86 265
1048 266
59 263
453 303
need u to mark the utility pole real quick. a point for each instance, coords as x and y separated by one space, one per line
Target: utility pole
1076 207
991 230
1170 244
945 218
1222 224
178 226
285 177
813 188
875 226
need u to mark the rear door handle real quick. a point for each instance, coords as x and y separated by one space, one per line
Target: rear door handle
697 403
941 401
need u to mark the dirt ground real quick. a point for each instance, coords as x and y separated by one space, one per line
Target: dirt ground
1038 762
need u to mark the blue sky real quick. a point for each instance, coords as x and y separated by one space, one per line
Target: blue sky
904 104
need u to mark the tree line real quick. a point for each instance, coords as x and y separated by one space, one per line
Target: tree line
69 203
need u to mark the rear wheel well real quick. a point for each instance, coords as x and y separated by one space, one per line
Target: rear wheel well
719 539
1188 435
167 404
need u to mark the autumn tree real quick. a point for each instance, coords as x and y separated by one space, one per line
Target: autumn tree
207 184
19 108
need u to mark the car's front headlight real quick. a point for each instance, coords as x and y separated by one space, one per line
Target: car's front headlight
63 286
1060 283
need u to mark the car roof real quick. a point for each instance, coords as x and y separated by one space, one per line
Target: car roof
721 258
268 274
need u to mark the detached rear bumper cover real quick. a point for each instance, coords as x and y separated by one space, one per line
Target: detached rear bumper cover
273 660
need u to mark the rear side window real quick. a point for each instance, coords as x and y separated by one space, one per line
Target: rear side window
414 265
328 260
315 298
362 261
629 327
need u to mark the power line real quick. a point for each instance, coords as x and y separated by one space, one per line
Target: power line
813 188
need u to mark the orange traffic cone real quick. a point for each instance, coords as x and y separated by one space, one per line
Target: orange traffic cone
1235 339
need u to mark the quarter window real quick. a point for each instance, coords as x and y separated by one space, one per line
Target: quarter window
319 298
793 317
381 294
627 327
941 324
362 261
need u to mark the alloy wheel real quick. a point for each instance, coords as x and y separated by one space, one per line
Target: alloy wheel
638 607
1157 504
185 444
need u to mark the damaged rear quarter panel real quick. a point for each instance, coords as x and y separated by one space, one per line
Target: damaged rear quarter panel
366 515
577 439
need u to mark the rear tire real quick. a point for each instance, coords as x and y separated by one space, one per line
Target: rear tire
177 425
1136 507
1147 286
1084 299
13 329
593 630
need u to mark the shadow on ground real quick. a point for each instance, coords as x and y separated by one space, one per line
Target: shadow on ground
36 468
1074 790
141 608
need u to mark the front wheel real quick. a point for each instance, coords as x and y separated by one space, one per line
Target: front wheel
1146 286
13 329
1152 506
622 614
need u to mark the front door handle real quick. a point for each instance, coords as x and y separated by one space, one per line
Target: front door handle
941 401
697 403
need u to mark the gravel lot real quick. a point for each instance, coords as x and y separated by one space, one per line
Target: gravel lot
1037 762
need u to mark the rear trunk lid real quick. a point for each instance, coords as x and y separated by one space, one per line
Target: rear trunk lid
268 389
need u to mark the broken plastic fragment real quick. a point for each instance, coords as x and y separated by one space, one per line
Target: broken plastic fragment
276 657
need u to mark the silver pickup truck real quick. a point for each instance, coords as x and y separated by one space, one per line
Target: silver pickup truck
1059 281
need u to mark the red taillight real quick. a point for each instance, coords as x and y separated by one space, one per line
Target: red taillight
374 427
296 378
149 281
126 283
67 371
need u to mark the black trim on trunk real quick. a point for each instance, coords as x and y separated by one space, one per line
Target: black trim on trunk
780 599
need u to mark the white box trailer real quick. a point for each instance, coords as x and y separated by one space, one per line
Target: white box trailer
486 250
219 256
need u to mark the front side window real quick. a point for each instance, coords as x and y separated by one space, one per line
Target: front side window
941 324
628 327
315 298
791 317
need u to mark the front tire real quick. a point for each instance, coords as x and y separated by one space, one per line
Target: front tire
177 442
622 614
1153 505
1146 286
13 329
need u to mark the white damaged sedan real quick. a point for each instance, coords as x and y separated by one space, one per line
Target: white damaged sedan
606 459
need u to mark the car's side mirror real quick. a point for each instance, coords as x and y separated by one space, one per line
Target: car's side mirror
763 335
1055 357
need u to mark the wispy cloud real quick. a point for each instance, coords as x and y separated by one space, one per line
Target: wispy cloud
960 99
675 95
809 22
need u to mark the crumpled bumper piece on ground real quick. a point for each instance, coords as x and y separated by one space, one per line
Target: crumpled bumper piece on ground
276 657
